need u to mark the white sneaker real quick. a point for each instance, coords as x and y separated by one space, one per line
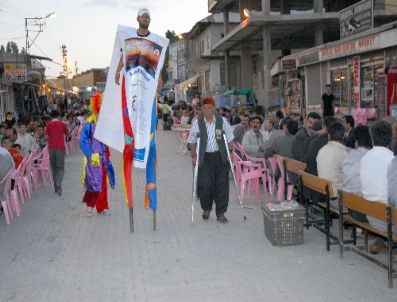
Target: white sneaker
106 212
89 212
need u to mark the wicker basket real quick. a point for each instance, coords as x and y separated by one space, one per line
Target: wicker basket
284 222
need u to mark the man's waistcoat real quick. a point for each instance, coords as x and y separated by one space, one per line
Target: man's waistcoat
204 138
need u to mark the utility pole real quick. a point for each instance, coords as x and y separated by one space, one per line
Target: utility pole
76 68
38 23
65 64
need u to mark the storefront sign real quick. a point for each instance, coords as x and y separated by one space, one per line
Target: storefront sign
356 18
288 64
307 58
356 81
349 48
15 72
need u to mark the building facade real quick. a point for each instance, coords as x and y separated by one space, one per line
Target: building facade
271 29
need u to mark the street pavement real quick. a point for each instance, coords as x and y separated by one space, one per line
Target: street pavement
53 252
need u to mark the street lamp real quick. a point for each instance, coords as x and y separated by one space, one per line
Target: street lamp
40 29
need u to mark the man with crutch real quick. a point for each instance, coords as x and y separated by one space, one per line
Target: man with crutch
213 166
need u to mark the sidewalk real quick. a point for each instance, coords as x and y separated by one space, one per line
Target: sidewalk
53 252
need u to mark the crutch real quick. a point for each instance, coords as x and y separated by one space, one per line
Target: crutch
195 177
234 177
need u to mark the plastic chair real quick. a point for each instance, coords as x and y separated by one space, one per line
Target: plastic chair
19 184
33 168
11 202
43 166
262 162
27 175
6 201
248 173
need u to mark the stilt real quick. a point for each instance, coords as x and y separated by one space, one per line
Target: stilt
131 220
154 221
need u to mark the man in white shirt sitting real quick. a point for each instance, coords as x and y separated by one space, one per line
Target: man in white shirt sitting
373 174
351 165
331 156
254 139
392 179
25 140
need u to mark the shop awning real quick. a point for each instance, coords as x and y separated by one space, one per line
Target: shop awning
190 81
50 84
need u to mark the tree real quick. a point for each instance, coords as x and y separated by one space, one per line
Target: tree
23 51
8 47
2 49
172 37
12 47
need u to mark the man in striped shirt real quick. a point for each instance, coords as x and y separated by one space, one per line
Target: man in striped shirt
213 171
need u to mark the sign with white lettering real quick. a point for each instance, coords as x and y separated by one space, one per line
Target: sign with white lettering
288 64
356 81
15 72
356 18
349 48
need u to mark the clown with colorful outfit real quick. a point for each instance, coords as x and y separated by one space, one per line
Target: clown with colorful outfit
97 167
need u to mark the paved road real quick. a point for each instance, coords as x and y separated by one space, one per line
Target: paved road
53 252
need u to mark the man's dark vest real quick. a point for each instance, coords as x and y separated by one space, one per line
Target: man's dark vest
204 138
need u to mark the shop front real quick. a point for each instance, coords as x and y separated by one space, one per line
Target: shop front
362 72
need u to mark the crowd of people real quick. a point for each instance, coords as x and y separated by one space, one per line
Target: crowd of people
21 137
361 159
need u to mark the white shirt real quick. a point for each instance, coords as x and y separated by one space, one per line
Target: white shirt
373 173
27 143
373 177
212 145
184 120
252 141
329 164
351 170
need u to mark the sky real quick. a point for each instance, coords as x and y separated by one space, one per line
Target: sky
88 27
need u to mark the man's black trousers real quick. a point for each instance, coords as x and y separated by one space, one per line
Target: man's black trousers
213 183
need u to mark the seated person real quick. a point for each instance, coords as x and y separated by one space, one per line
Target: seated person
185 117
241 128
25 140
2 131
11 133
351 165
348 123
14 151
331 156
374 175
392 179
282 145
254 139
304 133
315 143
6 164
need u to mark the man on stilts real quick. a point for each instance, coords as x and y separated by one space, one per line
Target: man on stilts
129 126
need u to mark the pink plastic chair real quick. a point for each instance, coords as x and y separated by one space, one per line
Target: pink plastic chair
248 173
34 171
19 183
262 161
10 200
6 201
43 167
27 175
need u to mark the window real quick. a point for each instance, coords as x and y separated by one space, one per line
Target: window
340 88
